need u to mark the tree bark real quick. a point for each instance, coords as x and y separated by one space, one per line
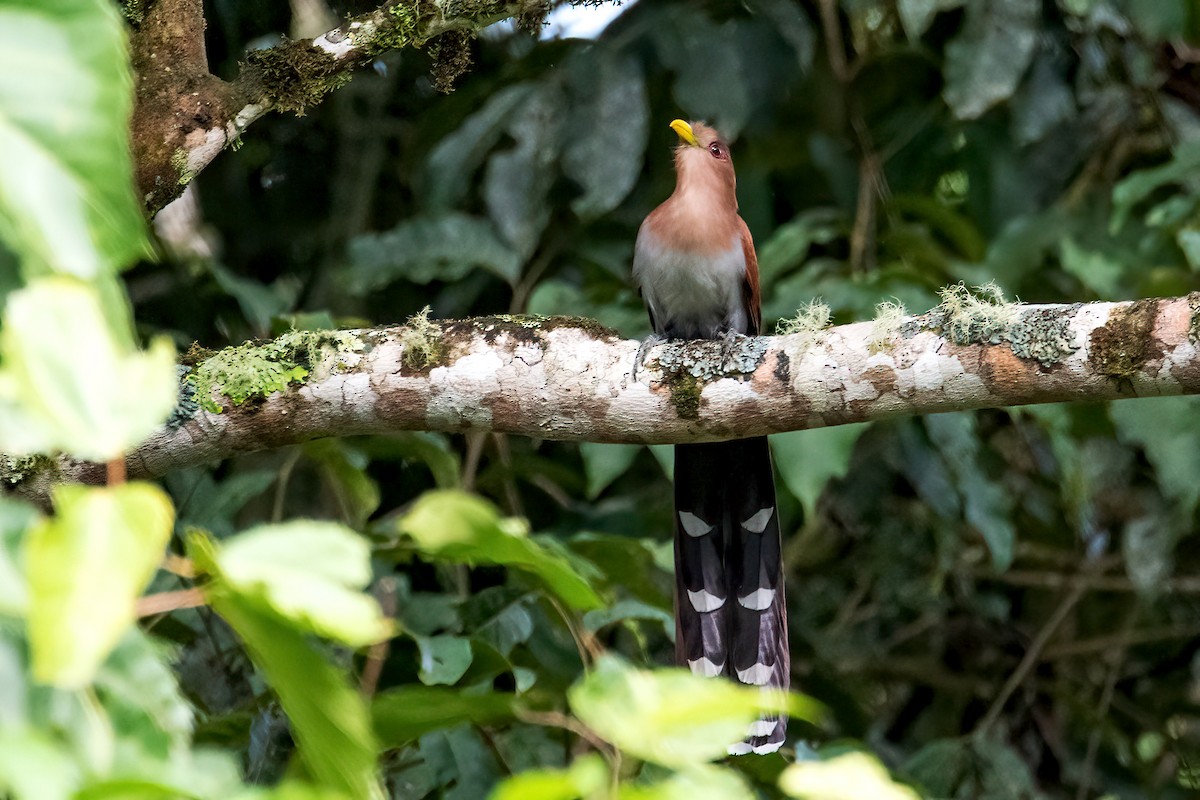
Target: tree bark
184 116
570 379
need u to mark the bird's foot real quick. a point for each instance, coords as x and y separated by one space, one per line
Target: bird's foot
650 341
729 343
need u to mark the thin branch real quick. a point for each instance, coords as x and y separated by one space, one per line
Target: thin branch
164 602
1032 654
185 116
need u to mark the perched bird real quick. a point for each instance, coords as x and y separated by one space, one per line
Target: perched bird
694 262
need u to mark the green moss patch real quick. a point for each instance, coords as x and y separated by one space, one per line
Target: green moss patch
1126 342
258 369
984 316
685 395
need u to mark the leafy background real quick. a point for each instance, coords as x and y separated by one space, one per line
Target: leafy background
996 605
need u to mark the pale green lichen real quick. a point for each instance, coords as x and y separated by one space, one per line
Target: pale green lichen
984 316
179 160
889 318
18 469
807 324
420 340
259 369
1043 334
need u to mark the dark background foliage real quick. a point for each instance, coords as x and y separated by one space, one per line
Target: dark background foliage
1002 604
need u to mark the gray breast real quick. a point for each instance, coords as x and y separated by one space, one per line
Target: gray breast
691 295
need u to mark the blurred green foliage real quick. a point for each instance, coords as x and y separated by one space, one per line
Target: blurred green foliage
996 605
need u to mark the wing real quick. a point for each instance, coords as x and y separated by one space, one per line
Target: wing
750 290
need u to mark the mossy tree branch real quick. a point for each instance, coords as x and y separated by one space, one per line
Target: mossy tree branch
185 116
569 379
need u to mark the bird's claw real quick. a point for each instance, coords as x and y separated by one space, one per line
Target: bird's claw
728 343
652 340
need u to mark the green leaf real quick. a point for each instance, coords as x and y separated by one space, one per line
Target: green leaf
516 181
15 519
1168 429
451 163
67 200
607 140
671 716
585 777
848 776
444 659
329 719
985 62
345 470
691 782
34 767
916 15
85 568
788 247
1139 185
70 381
139 687
1095 270
456 526
604 463
425 248
986 505
629 609
308 572
807 460
406 713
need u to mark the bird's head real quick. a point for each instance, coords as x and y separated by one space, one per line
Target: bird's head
702 160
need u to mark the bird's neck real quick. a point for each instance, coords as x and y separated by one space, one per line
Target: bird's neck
704 192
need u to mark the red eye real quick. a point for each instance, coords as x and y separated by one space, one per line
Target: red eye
716 149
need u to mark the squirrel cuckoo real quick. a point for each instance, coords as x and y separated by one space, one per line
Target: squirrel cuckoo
695 265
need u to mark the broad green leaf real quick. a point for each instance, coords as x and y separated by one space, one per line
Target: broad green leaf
986 506
807 460
1168 429
140 688
15 519
916 15
345 470
517 180
671 716
585 778
1094 269
34 767
85 568
456 526
329 718
70 382
425 248
604 463
67 200
444 659
849 776
1137 186
406 713
607 139
629 609
693 782
450 165
789 245
462 762
309 572
985 62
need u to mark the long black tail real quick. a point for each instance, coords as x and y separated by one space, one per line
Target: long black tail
730 614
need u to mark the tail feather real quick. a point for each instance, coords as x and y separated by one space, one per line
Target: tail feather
730 611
